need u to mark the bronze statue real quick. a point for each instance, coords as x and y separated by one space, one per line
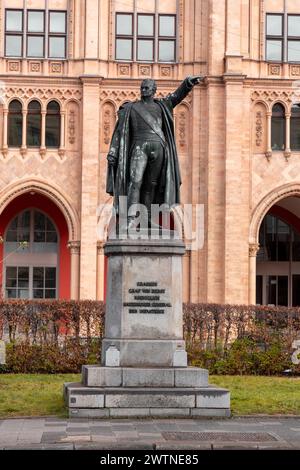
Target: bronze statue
142 160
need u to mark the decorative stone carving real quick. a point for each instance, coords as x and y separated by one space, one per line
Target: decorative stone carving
271 95
182 125
287 154
71 127
181 21
35 66
119 96
145 70
295 70
268 156
74 247
253 249
70 28
72 122
274 69
63 94
259 128
56 67
165 71
14 66
107 126
124 70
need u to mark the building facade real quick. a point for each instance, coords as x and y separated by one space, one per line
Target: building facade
67 65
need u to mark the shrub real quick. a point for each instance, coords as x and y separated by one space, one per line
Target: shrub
59 336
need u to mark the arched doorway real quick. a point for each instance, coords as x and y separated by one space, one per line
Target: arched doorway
34 254
278 257
31 249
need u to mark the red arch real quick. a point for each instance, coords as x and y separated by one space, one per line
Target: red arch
38 201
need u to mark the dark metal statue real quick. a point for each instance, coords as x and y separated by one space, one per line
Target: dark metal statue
142 160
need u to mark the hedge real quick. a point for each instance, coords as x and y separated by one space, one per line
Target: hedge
60 336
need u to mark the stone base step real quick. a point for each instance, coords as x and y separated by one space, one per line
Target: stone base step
186 377
99 402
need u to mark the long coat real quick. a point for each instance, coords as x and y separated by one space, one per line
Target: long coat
118 177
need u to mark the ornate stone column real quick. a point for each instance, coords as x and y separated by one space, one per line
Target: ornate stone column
100 271
62 149
269 134
74 247
253 249
24 129
5 146
287 152
43 136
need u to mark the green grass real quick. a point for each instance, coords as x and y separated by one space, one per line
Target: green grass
261 395
41 395
33 394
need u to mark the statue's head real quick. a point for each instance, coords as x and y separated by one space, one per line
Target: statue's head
148 87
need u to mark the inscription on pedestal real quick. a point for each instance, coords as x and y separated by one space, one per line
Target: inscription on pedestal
145 298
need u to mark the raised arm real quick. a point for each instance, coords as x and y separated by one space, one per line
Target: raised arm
183 90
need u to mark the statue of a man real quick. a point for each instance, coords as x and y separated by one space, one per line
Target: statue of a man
142 160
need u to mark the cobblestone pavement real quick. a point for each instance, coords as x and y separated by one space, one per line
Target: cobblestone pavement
234 433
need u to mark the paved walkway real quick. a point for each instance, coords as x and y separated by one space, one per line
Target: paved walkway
167 434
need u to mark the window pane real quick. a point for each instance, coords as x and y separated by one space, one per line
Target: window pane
295 133
11 283
52 131
12 236
283 290
39 236
35 22
50 273
274 25
145 25
23 273
278 134
13 46
33 127
50 294
35 46
296 246
293 25
14 20
38 274
124 25
11 272
124 49
167 25
166 51
274 49
38 293
57 22
145 50
11 293
57 47
39 221
51 237
294 51
296 290
259 288
15 119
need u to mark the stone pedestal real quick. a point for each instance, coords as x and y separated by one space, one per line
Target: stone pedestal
144 363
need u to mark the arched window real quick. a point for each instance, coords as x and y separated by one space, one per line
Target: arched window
34 122
53 125
15 120
295 128
31 257
278 127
